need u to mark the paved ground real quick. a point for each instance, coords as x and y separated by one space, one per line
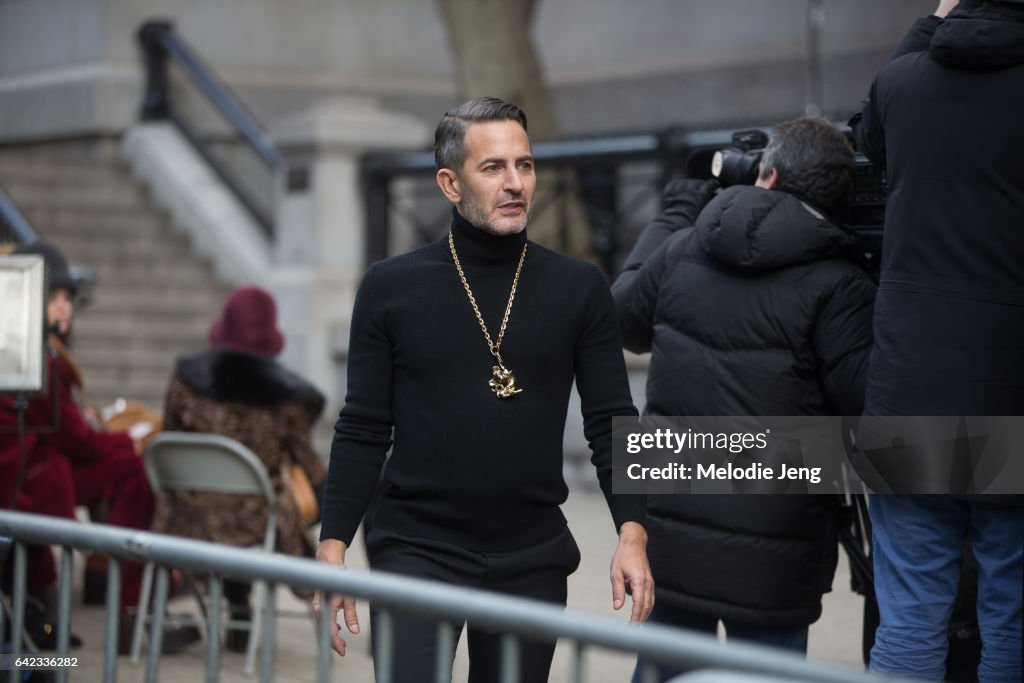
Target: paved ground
836 637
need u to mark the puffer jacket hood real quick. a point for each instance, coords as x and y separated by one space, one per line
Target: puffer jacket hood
980 39
757 230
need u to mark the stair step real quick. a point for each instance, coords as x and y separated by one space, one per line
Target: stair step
92 220
143 322
95 252
173 275
173 346
115 357
187 273
156 298
15 166
97 177
194 342
150 241
28 195
109 326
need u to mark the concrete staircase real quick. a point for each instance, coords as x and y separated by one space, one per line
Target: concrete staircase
154 298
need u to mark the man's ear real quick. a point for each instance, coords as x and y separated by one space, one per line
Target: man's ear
768 181
448 181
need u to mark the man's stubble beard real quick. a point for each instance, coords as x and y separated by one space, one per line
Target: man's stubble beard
476 215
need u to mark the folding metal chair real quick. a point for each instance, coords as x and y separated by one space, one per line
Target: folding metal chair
186 461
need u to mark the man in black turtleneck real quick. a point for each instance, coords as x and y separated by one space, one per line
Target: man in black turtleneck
464 352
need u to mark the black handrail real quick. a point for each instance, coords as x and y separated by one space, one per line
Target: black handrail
576 152
160 43
16 223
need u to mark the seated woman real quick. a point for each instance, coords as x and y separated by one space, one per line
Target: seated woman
68 463
237 389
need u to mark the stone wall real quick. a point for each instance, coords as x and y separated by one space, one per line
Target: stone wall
72 67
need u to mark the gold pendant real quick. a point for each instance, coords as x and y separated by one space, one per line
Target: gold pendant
503 384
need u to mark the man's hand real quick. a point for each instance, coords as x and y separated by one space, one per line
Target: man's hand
945 7
332 551
629 564
685 198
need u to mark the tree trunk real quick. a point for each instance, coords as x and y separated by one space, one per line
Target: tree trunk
495 56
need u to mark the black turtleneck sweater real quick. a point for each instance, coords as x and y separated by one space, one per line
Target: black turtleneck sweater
467 467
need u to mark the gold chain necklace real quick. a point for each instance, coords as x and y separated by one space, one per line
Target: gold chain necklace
503 382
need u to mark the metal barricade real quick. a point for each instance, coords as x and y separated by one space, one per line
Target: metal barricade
513 617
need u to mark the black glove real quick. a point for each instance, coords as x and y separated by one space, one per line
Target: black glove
685 198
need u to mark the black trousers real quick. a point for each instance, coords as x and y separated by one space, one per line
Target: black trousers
539 572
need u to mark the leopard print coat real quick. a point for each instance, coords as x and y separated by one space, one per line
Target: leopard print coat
265 407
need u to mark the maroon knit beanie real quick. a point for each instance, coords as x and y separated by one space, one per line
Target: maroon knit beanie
248 323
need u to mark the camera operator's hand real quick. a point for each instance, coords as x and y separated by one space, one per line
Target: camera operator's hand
945 7
685 198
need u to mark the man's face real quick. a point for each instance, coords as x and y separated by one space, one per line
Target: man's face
60 308
494 188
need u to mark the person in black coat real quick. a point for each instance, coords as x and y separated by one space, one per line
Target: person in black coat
760 308
944 117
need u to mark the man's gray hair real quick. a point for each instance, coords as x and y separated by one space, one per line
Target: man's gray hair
813 160
449 150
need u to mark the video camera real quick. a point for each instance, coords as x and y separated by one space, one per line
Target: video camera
864 216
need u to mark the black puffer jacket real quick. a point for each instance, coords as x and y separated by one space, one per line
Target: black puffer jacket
758 310
945 118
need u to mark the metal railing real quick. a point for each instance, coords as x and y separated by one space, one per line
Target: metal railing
218 126
14 223
514 618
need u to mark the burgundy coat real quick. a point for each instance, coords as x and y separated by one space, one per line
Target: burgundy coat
47 485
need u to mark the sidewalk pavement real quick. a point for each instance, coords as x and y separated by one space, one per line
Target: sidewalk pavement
835 637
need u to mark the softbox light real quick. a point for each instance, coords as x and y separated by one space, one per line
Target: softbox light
22 321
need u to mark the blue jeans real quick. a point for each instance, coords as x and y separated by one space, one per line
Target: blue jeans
918 543
787 638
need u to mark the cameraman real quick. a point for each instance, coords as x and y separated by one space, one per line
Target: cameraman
945 117
755 304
